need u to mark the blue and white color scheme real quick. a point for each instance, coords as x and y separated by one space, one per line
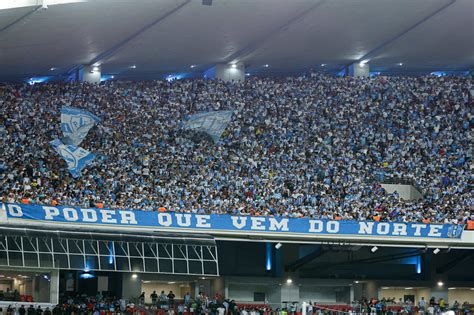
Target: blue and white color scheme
212 123
75 124
76 158
224 223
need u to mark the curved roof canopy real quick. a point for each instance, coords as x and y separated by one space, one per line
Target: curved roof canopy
159 37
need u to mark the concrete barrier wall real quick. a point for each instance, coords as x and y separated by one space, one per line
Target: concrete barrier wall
407 192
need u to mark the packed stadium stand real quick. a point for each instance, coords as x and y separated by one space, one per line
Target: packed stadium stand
315 145
236 157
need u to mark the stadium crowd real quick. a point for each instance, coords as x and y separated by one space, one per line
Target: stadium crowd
315 146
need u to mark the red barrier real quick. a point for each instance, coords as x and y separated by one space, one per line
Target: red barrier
258 306
348 308
470 225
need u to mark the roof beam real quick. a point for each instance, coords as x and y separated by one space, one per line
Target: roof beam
297 264
254 45
371 260
453 263
114 49
21 18
377 49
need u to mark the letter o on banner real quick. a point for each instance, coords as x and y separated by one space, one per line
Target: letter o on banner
70 214
164 219
332 227
383 228
316 226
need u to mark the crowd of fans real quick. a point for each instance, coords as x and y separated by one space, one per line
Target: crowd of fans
9 295
164 304
95 305
391 306
201 304
80 305
314 146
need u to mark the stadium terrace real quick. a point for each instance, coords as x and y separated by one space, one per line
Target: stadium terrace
314 146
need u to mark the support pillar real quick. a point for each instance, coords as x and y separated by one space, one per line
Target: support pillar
371 289
361 69
131 285
440 292
439 286
357 291
290 290
273 296
368 289
203 285
228 72
54 287
43 287
218 286
90 74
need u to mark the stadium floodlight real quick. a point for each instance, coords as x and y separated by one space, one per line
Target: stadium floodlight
374 249
278 245
289 281
440 283
436 251
363 62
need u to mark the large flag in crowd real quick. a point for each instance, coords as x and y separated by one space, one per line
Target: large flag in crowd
75 124
76 158
212 123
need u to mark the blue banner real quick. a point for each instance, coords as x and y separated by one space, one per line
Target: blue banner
75 124
76 158
212 123
189 222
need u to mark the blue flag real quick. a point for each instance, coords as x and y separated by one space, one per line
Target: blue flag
212 123
76 123
76 158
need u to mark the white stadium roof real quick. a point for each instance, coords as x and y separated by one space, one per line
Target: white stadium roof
161 37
